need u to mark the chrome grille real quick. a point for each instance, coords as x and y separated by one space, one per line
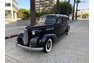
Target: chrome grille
25 38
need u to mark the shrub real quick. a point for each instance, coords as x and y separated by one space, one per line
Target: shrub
64 8
85 15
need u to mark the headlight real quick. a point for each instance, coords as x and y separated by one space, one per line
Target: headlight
33 32
22 32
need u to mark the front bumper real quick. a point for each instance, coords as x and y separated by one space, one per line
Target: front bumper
29 48
25 47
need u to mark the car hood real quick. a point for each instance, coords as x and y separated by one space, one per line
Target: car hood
40 26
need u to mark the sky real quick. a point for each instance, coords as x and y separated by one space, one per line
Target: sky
26 4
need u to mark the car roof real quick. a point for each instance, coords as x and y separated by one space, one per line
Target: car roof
58 15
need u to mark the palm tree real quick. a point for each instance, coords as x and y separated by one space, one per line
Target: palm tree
32 13
77 2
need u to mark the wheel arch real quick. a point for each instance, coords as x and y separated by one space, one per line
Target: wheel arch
46 36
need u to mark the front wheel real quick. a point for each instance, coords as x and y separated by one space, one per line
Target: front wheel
48 46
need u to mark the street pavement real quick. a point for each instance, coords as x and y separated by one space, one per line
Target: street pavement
73 48
18 23
9 31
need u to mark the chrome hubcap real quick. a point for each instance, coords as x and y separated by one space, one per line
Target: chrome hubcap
49 45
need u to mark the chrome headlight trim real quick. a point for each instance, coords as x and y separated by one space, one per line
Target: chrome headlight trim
22 31
33 32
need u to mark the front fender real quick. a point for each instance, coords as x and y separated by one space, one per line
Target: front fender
45 37
33 41
20 35
40 41
20 39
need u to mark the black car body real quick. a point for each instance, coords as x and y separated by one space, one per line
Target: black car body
45 32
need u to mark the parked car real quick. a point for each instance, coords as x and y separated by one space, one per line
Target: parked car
49 28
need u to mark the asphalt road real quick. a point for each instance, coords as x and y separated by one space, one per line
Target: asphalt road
73 48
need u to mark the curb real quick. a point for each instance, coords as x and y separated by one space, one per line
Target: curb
8 37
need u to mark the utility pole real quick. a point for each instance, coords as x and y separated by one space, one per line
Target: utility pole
32 13
73 9
57 7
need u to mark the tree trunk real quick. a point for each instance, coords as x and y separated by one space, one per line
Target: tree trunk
68 9
73 9
76 11
32 13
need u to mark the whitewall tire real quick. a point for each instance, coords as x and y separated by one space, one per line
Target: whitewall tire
48 45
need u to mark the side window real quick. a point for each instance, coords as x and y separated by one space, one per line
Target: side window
59 20
64 20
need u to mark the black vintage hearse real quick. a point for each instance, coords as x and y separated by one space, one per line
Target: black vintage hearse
45 32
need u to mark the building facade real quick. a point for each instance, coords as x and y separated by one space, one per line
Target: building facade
11 9
43 5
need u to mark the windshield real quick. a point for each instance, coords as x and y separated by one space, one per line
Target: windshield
47 19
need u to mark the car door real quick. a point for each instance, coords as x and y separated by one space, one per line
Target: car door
65 24
58 26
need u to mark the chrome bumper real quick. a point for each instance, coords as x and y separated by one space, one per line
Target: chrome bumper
25 47
29 48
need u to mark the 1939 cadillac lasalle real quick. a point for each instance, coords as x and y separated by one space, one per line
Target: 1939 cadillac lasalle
45 32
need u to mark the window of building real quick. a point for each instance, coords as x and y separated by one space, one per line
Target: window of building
8 14
7 4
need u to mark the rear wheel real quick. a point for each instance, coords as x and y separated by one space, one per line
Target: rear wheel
67 30
48 46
